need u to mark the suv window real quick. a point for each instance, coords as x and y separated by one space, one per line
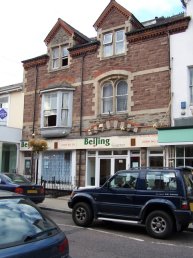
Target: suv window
188 179
158 180
124 180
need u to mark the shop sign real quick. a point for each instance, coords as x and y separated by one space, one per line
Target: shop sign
24 146
114 142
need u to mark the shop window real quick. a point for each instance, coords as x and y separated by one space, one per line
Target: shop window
155 158
114 97
180 156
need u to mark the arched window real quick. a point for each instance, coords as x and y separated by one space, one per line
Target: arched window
114 97
107 98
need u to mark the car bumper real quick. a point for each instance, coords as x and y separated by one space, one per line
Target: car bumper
183 217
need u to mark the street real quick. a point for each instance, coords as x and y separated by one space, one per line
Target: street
110 240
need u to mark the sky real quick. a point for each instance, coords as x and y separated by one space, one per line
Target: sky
24 24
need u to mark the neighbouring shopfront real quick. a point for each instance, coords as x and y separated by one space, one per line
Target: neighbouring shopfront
178 142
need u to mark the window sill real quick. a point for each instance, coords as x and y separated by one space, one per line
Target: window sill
113 56
51 132
59 69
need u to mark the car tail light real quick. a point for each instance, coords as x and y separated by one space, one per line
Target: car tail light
19 190
63 246
42 190
185 205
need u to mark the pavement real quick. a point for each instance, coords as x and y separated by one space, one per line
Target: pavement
56 204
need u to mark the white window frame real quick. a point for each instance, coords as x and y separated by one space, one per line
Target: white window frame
190 70
59 108
110 46
58 60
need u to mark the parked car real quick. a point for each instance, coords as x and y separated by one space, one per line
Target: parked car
19 184
26 232
160 199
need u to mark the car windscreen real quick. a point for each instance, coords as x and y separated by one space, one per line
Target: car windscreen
22 222
16 179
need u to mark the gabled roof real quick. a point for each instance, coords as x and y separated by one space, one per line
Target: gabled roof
113 4
68 28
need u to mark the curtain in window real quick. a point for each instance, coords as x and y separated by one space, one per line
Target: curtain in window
55 57
122 95
107 98
65 109
119 45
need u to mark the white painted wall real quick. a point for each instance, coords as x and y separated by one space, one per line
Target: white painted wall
15 112
181 54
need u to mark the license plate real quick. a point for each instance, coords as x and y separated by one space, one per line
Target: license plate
191 206
32 191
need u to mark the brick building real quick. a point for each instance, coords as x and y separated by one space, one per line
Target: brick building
98 101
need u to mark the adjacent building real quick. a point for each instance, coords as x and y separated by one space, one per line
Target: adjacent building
11 124
178 139
99 101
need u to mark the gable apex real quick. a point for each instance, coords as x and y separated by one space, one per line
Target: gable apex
68 29
112 5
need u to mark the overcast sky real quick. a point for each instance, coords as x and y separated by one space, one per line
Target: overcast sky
24 24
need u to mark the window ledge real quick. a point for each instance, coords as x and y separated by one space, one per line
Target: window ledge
58 69
51 132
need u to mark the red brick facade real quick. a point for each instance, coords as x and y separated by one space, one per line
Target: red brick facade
145 65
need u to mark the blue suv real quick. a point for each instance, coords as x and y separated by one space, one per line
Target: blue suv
160 199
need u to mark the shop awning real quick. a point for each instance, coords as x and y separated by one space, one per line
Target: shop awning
175 135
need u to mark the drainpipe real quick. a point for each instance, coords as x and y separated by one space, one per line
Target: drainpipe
33 123
81 112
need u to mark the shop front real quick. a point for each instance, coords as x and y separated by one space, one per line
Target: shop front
178 142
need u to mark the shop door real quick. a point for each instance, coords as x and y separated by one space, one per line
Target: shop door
120 164
105 170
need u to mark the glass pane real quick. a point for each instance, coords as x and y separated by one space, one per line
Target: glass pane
91 171
107 38
105 170
107 90
105 153
155 162
179 162
119 48
188 151
50 101
107 105
108 50
189 162
122 88
55 53
120 152
191 76
64 117
122 103
120 35
64 51
179 151
120 164
65 100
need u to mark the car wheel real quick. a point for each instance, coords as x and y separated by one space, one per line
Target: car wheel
159 224
82 214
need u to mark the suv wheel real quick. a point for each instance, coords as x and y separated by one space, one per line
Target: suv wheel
82 214
159 224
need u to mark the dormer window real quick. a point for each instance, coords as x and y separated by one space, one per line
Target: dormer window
59 57
114 43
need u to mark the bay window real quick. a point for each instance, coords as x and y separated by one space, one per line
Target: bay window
191 84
